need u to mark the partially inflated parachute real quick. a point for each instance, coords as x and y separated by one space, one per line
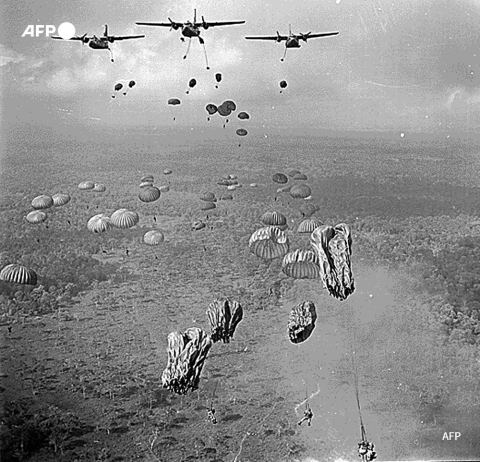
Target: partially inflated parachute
186 356
333 246
224 316
301 322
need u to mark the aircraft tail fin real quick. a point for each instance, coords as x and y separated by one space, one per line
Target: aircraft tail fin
194 15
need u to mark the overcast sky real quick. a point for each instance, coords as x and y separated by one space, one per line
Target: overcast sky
406 65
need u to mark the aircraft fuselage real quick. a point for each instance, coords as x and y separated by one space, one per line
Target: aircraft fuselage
98 43
190 31
292 42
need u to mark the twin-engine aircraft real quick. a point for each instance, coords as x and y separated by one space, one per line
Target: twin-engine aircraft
102 42
191 29
292 40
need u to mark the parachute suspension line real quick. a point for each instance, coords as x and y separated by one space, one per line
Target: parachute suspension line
111 54
363 432
357 391
205 53
307 398
213 395
284 54
188 48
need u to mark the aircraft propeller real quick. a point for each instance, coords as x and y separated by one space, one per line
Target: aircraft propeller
204 24
279 38
173 26
85 39
304 37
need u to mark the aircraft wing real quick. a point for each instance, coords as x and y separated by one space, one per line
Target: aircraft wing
325 34
268 37
73 38
125 37
213 24
161 24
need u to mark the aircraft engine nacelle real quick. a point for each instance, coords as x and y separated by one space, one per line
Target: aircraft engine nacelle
174 25
279 39
110 39
304 37
204 24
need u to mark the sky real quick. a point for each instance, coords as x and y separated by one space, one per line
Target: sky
400 66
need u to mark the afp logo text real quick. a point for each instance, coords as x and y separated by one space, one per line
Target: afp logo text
65 30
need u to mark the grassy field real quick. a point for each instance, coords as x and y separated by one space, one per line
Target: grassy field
83 352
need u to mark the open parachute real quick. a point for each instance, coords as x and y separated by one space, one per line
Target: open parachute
125 86
301 264
301 322
174 102
191 84
36 217
42 202
18 274
224 317
269 243
333 246
186 356
99 224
